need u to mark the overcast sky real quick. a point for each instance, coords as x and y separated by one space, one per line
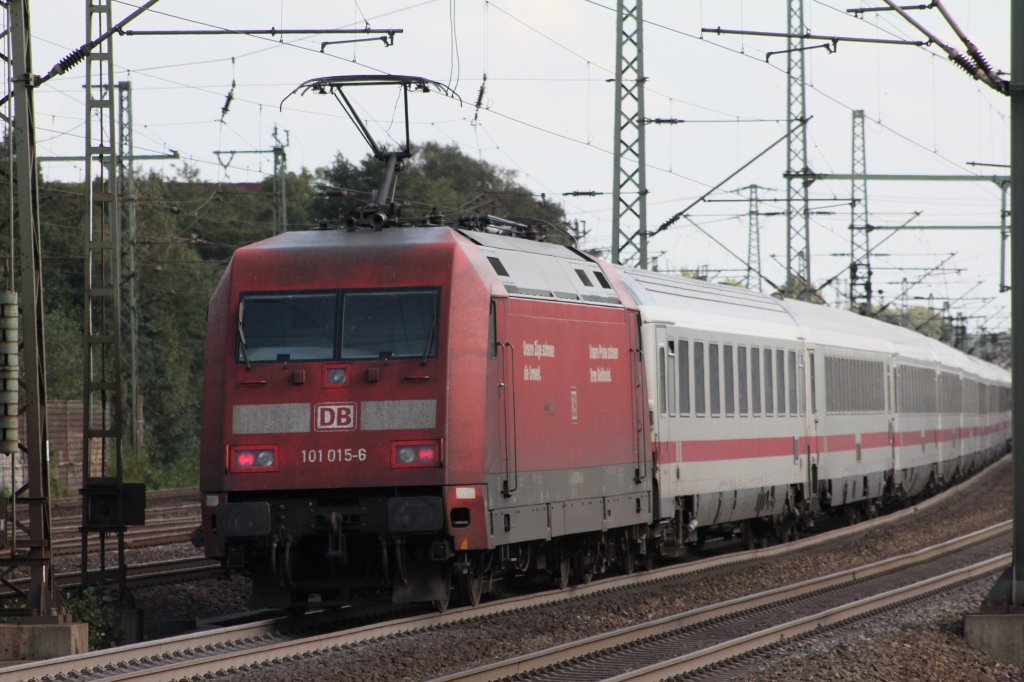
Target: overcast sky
548 112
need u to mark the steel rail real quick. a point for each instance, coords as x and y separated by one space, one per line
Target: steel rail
232 647
272 627
635 633
795 628
151 573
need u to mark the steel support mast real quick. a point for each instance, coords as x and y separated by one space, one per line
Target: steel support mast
42 601
754 241
860 230
126 193
102 472
798 238
629 176
1017 285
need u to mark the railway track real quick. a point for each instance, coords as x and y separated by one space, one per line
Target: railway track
714 634
171 517
278 638
139 575
155 501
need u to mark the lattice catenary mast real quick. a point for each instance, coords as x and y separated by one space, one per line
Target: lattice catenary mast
629 181
798 238
860 231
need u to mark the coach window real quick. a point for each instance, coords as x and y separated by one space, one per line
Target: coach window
730 397
662 398
793 383
814 388
755 379
699 407
741 373
670 374
780 381
389 324
281 327
714 379
684 377
768 404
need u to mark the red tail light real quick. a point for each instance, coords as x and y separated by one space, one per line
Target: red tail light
423 453
252 458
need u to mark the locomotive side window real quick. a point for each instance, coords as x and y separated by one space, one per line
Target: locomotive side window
286 327
698 379
730 398
755 379
741 371
498 266
768 404
386 324
492 334
684 377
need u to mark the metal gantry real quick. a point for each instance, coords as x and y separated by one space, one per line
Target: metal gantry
798 237
860 230
629 177
280 214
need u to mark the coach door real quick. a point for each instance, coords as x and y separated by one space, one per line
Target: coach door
811 448
641 443
890 383
664 389
504 351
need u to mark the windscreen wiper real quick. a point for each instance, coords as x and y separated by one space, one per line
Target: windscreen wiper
241 335
430 338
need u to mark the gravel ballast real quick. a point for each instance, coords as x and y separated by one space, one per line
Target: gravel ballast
920 641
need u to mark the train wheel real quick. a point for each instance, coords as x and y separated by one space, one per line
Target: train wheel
441 605
748 535
629 559
564 572
585 566
471 585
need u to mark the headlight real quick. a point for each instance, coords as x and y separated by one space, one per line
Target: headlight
244 459
416 454
336 376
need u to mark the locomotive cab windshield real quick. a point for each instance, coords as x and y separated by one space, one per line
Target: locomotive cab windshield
374 325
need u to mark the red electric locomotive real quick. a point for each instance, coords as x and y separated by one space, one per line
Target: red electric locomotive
399 411
390 413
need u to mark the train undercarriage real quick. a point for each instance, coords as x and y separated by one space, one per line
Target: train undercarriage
339 551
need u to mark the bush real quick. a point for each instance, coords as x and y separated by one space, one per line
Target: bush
97 607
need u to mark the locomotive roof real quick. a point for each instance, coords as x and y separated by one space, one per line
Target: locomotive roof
321 241
530 269
549 271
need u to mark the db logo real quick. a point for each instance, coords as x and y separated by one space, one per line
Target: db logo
335 417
